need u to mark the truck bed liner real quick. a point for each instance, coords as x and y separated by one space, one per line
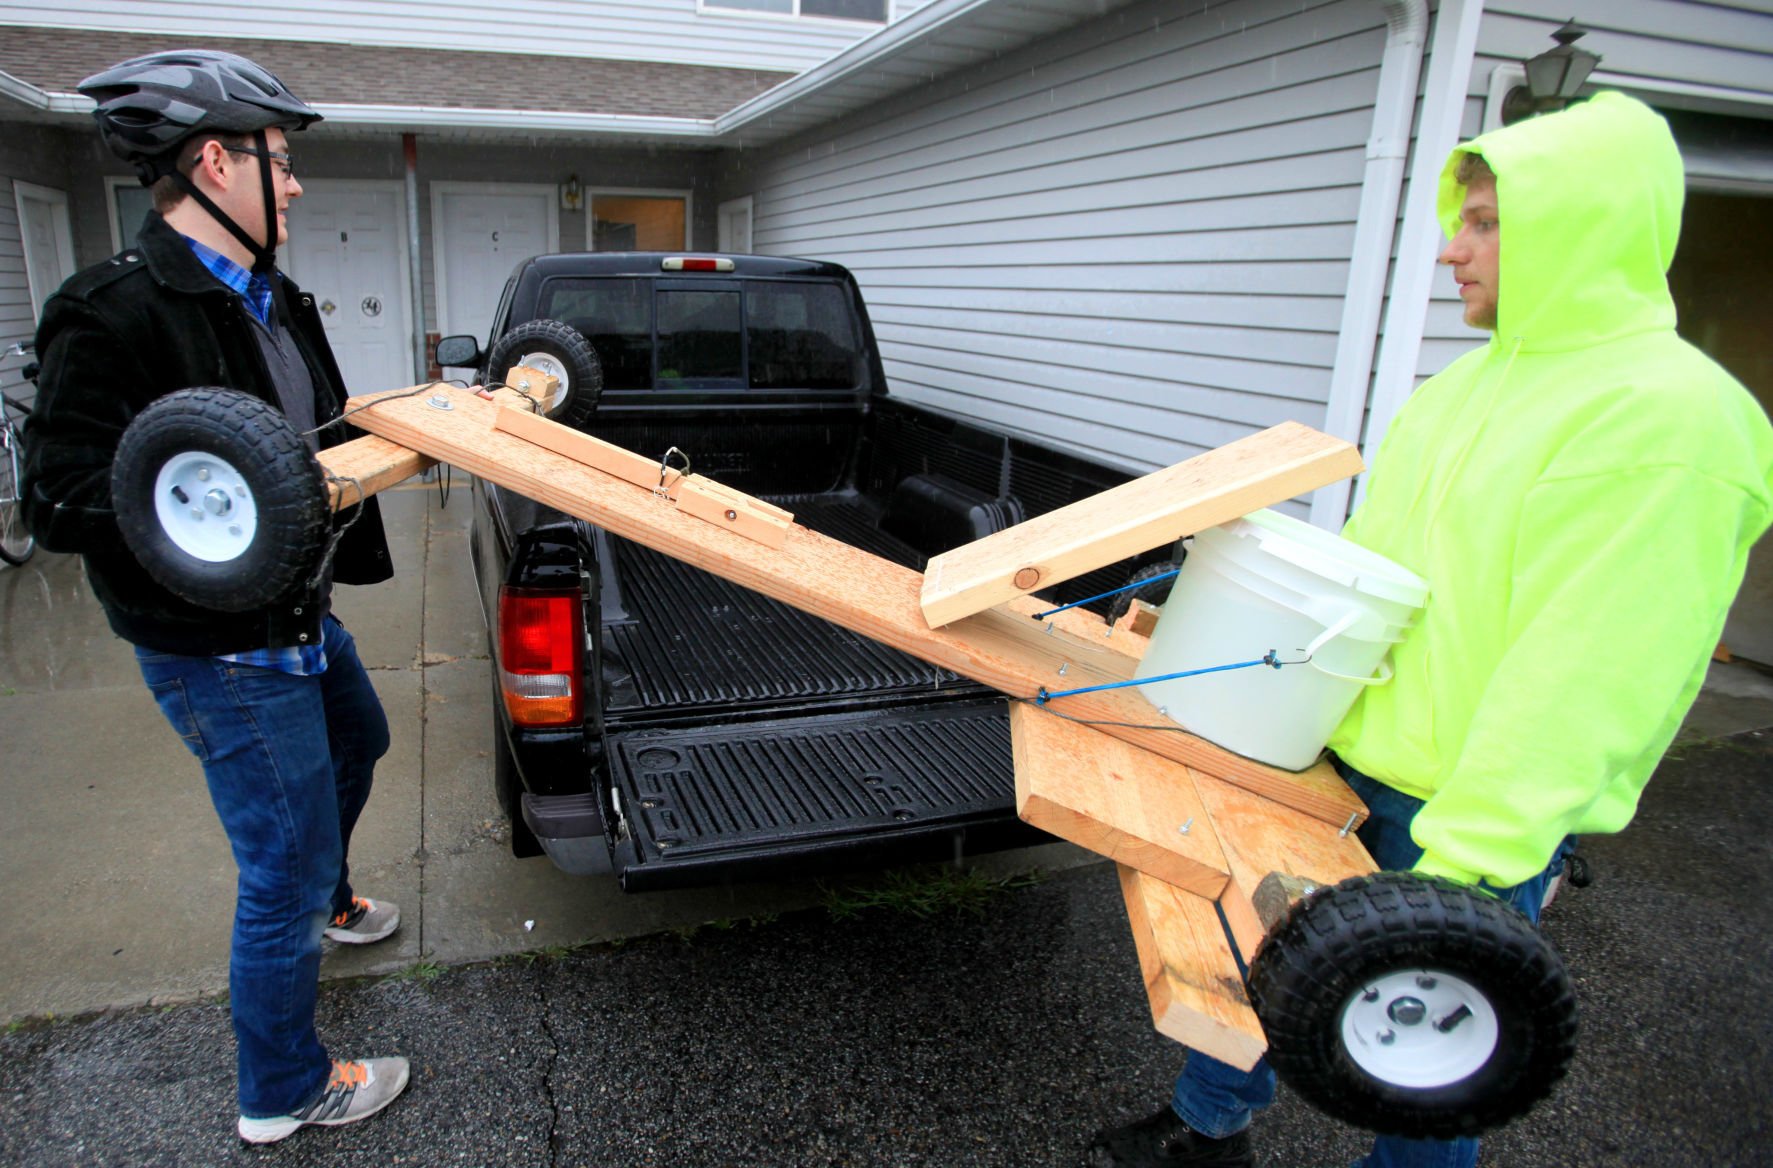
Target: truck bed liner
767 794
697 640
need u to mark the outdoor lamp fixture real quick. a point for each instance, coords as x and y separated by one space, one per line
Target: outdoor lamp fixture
1553 77
572 195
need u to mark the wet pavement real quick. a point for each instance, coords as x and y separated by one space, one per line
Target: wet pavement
555 1021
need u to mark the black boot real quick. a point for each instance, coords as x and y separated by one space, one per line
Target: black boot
1165 1141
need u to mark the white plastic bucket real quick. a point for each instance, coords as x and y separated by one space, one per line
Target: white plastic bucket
1268 581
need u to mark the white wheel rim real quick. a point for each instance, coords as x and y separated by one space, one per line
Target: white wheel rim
1419 1028
205 506
552 366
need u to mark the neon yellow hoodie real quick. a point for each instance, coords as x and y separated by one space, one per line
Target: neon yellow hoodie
1580 493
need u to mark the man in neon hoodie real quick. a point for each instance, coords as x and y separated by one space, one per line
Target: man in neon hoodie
1581 494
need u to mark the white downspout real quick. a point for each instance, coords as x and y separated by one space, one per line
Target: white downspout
1443 109
1406 33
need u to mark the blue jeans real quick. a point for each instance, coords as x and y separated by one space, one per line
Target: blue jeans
1218 1100
289 762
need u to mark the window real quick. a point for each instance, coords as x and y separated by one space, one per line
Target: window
801 336
698 337
872 11
615 315
638 222
765 334
130 204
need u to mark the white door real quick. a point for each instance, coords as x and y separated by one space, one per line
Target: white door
48 240
346 249
482 231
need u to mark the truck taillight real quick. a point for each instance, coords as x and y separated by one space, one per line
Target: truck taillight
541 655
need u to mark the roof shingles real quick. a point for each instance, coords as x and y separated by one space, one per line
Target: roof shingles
56 60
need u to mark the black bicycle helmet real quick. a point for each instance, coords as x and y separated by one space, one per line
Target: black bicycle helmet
148 106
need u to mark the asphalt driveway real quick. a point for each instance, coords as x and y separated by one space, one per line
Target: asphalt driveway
887 1039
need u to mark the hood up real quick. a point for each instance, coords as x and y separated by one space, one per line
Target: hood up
1589 202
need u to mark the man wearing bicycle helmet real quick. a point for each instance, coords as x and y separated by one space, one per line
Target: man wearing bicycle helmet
273 701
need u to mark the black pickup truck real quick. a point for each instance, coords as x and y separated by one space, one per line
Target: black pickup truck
662 724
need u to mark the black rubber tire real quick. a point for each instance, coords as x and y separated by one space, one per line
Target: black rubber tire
285 484
580 372
16 541
1337 942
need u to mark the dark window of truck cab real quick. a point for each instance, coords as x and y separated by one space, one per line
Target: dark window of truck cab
698 337
615 315
800 336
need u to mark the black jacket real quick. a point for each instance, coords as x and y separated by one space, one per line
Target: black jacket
117 336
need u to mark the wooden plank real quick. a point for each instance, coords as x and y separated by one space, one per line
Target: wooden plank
864 593
1116 800
733 510
1260 837
361 467
586 449
1191 978
1205 491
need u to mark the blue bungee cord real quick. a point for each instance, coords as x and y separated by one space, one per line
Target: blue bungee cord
1270 659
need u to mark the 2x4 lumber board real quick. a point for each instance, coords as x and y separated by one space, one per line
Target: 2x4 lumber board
1116 800
359 468
722 506
1212 488
1259 837
1191 978
864 593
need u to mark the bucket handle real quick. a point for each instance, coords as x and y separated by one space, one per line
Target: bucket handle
1331 634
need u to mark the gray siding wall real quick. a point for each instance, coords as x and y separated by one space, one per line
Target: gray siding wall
640 30
1131 240
1724 44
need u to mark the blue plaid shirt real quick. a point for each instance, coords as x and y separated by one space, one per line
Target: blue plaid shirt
254 289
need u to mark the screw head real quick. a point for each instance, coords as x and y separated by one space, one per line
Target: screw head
1387 1037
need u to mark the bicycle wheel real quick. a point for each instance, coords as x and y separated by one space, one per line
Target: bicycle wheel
16 543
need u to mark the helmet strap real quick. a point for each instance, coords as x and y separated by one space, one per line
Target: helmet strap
264 252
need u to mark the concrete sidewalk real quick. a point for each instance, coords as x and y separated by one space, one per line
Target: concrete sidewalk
120 886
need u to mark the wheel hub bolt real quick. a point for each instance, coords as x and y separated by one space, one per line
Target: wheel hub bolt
1387 1037
217 501
203 473
196 513
1426 982
1407 1011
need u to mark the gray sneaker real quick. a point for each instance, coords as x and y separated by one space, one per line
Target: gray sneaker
355 1091
368 920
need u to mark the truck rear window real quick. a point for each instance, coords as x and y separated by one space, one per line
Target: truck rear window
771 335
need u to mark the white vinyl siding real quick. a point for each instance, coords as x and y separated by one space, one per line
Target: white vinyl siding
628 30
1131 240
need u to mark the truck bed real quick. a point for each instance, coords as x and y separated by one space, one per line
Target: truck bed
825 743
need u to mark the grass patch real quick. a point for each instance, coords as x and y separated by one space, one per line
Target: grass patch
925 892
424 972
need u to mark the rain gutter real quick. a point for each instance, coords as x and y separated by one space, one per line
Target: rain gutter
1406 33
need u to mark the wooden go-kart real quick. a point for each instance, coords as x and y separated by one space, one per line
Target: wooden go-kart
1410 1006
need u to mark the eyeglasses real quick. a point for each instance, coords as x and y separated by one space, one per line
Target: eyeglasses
283 161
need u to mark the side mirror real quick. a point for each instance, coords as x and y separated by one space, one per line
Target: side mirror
458 352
